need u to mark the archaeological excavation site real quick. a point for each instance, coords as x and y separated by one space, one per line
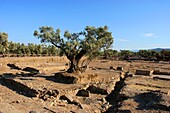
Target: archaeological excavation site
42 85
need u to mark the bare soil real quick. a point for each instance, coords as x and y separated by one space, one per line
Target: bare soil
40 85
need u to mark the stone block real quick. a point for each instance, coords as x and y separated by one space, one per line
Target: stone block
144 72
120 68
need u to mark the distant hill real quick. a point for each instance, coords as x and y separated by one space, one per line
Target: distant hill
155 49
159 49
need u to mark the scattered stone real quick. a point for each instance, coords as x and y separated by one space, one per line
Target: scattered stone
53 92
17 101
76 102
88 101
105 107
120 68
103 100
144 72
168 93
45 97
70 100
130 74
32 111
97 111
97 90
45 93
112 68
67 97
63 104
122 74
94 68
83 93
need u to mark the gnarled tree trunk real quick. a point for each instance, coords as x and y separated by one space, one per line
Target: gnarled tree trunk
74 62
74 66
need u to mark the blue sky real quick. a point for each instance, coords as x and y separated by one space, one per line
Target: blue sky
135 24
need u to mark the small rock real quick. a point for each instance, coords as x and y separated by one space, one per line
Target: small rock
61 104
52 104
67 97
46 97
111 67
130 74
17 101
76 102
168 93
94 68
83 93
120 68
97 111
105 107
103 100
53 92
122 74
32 111
97 90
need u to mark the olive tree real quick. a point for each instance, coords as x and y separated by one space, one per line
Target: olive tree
76 45
4 41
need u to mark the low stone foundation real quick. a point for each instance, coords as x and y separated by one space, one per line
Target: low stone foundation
144 72
159 72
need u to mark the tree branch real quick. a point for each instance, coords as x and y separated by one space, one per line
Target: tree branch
80 54
59 47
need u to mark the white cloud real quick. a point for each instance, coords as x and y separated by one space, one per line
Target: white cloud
123 40
149 34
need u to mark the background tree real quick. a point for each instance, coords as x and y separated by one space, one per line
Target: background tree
110 53
4 42
77 45
125 54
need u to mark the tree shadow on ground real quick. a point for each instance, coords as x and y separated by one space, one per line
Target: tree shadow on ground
26 69
60 77
13 66
150 101
18 87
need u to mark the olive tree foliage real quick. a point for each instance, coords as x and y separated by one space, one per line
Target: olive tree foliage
76 45
3 41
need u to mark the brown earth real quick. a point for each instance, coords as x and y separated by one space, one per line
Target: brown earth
40 84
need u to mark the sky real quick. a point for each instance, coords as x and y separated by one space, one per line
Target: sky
135 24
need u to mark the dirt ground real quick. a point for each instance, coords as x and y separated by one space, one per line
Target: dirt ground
39 85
